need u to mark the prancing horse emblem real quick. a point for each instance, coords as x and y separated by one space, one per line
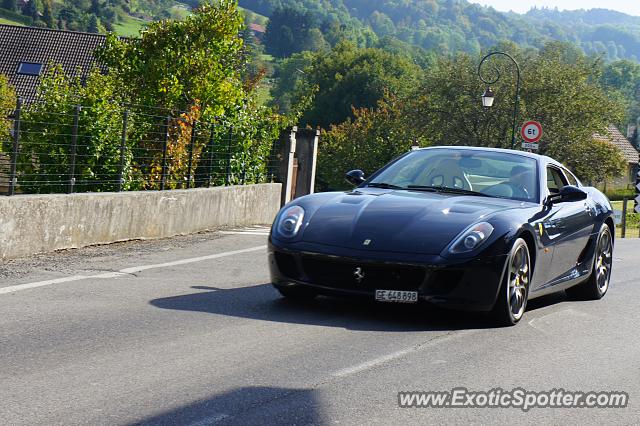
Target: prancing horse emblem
358 274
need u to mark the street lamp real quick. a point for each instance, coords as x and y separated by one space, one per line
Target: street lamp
488 97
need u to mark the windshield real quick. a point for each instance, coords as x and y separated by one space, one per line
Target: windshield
495 174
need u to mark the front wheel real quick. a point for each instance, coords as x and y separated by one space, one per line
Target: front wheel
514 291
598 283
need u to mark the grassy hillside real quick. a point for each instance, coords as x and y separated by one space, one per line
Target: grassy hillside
129 26
458 25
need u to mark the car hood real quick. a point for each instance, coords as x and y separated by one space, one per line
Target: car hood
398 221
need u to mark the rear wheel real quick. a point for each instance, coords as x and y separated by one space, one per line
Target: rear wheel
598 283
512 297
297 293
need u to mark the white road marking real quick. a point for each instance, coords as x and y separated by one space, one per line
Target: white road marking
27 286
370 364
126 271
559 321
252 230
191 260
244 233
399 354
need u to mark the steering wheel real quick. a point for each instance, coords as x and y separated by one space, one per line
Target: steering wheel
451 181
517 190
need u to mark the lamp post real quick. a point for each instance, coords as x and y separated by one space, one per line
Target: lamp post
488 96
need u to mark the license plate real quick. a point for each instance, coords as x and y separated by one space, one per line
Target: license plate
396 296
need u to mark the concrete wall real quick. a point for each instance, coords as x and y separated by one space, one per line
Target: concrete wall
32 224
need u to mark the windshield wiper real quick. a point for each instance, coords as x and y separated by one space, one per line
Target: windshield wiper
384 185
448 189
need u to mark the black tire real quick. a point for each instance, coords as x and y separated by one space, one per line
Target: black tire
514 290
596 286
297 293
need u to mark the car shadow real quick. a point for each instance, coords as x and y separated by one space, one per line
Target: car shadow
262 302
245 405
548 300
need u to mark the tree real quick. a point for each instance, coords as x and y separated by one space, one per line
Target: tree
373 138
564 96
446 110
623 77
7 105
178 64
44 160
47 14
288 31
351 77
381 24
94 24
11 5
189 71
31 9
96 7
314 41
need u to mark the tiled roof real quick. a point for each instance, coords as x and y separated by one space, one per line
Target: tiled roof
257 28
73 50
616 138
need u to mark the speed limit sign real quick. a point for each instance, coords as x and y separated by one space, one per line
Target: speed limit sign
531 131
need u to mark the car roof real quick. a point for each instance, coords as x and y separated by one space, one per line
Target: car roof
537 157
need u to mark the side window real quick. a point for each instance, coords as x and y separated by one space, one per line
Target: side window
555 180
570 177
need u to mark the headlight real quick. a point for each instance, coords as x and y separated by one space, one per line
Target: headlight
290 221
471 239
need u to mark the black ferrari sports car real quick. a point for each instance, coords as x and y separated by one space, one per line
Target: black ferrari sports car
468 228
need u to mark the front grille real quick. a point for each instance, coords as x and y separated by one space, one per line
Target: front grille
443 282
342 274
287 265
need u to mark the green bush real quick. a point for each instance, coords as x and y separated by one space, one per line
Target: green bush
7 105
47 128
620 194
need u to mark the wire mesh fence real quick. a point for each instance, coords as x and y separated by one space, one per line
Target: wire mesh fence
75 148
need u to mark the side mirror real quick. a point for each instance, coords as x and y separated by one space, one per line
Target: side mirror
567 194
355 177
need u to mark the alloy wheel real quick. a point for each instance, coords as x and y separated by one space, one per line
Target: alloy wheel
518 281
603 261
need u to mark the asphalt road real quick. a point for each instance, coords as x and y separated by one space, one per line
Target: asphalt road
142 332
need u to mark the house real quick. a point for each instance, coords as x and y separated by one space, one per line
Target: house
27 52
258 31
630 154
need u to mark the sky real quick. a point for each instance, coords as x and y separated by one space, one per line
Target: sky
631 7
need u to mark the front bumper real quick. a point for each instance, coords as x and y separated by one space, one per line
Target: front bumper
468 284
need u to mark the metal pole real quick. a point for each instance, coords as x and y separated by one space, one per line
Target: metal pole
489 82
243 177
163 177
515 110
13 180
624 218
211 137
123 148
74 149
193 139
228 177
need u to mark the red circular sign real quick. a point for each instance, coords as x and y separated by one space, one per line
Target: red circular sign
531 131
